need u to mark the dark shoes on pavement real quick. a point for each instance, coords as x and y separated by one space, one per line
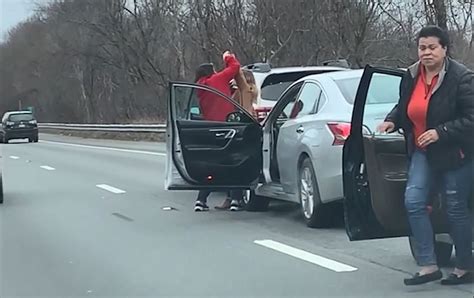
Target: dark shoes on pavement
200 206
235 206
418 279
453 279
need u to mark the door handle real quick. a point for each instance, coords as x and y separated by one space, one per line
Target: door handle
226 133
300 129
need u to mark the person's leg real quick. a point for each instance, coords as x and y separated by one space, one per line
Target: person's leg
236 203
201 201
416 199
457 191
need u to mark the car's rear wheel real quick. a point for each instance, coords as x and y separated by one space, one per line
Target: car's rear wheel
308 193
254 202
443 251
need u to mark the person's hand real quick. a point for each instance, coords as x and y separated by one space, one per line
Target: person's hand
386 126
428 137
226 54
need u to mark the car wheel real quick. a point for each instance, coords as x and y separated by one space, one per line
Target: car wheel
30 140
254 202
443 251
308 193
36 139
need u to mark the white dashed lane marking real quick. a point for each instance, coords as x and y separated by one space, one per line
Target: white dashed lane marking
306 256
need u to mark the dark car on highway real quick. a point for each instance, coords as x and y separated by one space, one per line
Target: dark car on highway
19 125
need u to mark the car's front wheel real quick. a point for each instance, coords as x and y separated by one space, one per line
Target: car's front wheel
254 202
308 193
443 251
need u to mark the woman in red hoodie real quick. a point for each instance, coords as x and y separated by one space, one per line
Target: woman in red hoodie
215 108
212 106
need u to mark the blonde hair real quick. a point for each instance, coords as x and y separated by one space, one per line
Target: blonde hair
250 79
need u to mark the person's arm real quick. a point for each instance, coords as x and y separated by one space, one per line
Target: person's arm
462 127
232 67
392 120
241 81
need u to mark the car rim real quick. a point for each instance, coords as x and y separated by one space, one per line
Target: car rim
247 196
307 192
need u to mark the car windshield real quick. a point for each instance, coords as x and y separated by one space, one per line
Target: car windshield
21 117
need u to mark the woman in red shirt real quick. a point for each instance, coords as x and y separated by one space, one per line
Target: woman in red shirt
215 108
436 113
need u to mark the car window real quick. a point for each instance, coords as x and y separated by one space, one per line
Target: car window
290 97
202 104
382 96
21 117
322 100
274 84
348 87
307 100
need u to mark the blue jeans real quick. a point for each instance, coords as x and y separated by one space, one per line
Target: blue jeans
456 190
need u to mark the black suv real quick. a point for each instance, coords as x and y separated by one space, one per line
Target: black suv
18 125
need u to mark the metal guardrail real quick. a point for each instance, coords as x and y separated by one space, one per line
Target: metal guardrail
158 128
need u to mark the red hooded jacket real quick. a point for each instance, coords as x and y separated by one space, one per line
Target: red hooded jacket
213 107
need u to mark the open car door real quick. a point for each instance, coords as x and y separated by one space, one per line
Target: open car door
375 165
212 155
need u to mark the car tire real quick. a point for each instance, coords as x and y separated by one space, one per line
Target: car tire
443 251
254 202
36 139
30 140
308 193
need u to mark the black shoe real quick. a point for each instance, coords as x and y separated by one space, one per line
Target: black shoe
418 279
200 206
453 279
235 206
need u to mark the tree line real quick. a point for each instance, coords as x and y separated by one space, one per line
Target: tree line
110 61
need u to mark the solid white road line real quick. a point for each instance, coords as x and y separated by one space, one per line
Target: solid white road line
105 148
14 157
48 168
306 256
111 188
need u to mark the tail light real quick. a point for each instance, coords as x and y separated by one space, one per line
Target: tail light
262 113
340 131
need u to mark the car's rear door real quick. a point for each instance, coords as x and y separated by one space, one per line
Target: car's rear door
375 165
212 155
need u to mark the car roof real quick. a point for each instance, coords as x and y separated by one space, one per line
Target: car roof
336 75
278 70
17 112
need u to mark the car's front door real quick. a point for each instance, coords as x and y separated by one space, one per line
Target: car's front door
375 165
205 154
